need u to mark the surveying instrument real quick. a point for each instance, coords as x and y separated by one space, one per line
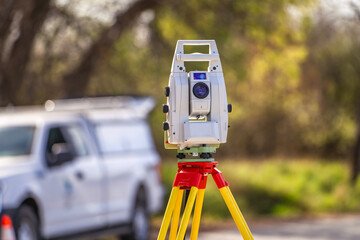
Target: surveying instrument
196 124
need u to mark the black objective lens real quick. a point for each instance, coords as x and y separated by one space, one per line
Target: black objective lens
201 90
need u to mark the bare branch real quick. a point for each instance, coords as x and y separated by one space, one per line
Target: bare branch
76 81
356 10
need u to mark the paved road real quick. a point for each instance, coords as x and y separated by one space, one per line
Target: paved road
344 228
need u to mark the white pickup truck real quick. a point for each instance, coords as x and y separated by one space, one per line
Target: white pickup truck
86 166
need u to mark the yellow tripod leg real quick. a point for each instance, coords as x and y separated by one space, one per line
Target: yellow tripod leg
239 212
197 214
235 213
176 216
187 213
168 212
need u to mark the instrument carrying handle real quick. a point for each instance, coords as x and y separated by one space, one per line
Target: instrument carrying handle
210 43
180 57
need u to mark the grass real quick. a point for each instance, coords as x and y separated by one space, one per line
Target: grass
280 188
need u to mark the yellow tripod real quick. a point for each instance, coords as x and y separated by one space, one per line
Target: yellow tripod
192 175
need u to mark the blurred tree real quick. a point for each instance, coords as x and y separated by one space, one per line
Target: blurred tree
20 22
356 66
331 73
77 80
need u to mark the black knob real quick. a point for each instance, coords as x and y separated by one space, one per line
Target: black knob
165 108
167 91
165 126
180 155
205 155
229 108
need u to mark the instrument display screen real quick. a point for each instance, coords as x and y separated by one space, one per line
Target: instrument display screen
199 76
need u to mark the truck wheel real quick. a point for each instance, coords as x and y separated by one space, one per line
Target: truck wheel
140 225
26 224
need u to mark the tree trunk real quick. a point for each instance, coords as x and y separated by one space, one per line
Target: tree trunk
6 14
33 15
356 158
76 81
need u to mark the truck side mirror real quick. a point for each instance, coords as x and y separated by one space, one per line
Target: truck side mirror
61 154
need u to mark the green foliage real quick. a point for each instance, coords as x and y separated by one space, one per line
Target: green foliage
280 188
331 76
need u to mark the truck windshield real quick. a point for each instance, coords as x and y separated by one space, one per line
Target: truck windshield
16 141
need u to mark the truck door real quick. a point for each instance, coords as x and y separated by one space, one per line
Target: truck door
122 166
73 187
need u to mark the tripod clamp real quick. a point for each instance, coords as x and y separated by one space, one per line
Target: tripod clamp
194 174
204 152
